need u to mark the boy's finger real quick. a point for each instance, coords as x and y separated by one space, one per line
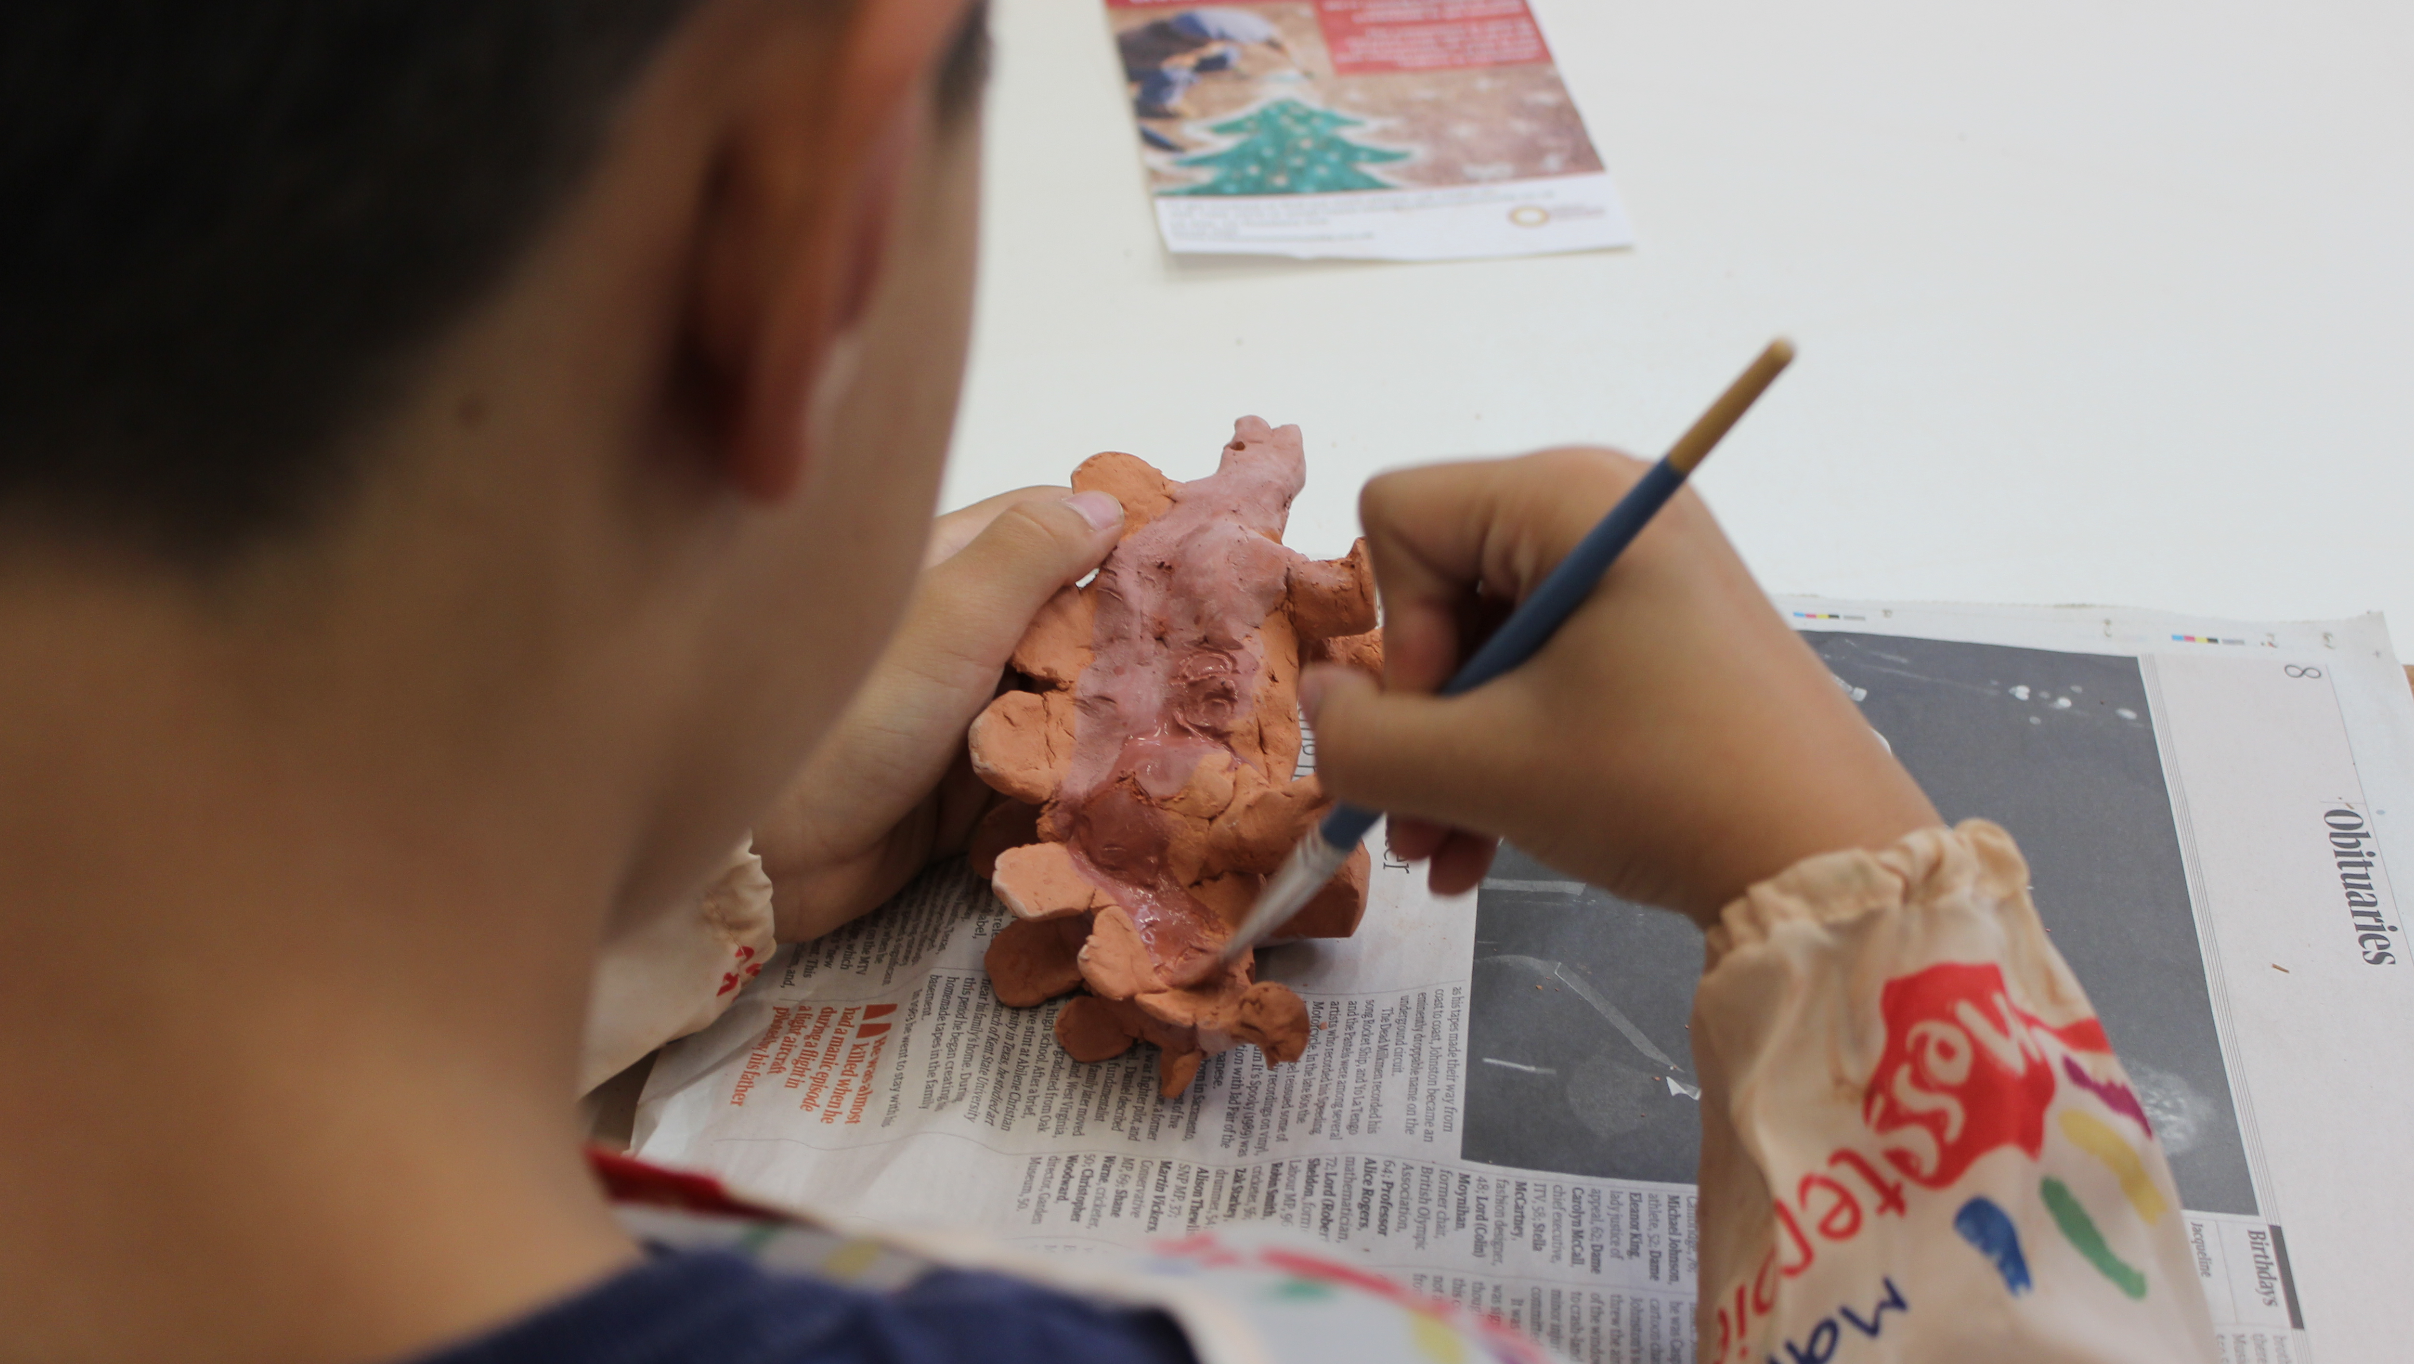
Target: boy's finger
1412 755
972 609
1459 864
1499 522
1459 858
1411 839
1421 645
907 721
956 529
1438 534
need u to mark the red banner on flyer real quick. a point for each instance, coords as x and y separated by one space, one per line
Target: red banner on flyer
1367 37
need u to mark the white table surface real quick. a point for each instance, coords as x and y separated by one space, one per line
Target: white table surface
2101 301
2098 300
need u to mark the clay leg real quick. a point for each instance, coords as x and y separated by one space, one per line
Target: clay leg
1144 492
1032 963
1088 1030
1023 742
1138 1022
1039 881
1178 1053
1329 597
1009 824
1175 1071
1337 908
1276 1020
1363 652
1057 646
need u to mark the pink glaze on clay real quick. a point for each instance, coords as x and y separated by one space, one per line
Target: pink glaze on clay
1151 755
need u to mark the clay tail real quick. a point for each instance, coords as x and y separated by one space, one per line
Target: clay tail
1303 873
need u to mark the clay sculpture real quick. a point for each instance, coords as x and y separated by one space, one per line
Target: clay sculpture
1148 748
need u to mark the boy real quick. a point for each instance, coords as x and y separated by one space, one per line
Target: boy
466 457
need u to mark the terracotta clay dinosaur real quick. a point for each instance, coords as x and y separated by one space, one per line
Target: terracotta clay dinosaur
1149 755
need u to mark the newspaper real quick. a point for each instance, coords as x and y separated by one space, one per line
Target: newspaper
1498 1104
1373 129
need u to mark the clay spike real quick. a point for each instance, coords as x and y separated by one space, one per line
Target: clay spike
1312 863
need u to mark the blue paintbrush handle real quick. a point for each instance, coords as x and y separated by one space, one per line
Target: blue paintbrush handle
1539 616
1345 825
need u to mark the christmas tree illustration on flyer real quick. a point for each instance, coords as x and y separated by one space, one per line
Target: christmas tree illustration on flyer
1289 148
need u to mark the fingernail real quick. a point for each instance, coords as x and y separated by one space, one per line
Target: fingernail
1101 510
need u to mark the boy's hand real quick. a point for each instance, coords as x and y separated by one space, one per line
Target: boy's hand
1674 743
891 787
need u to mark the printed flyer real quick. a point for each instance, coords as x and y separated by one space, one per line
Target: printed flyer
1367 129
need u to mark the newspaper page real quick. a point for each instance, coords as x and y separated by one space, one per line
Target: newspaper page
1371 129
1498 1105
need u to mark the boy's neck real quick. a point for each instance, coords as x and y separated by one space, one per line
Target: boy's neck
293 1036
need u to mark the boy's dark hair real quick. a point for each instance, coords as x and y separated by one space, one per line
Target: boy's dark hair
226 225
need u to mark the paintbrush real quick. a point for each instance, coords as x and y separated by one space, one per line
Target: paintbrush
1519 638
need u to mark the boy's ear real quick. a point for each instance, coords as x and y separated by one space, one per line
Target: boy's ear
795 224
